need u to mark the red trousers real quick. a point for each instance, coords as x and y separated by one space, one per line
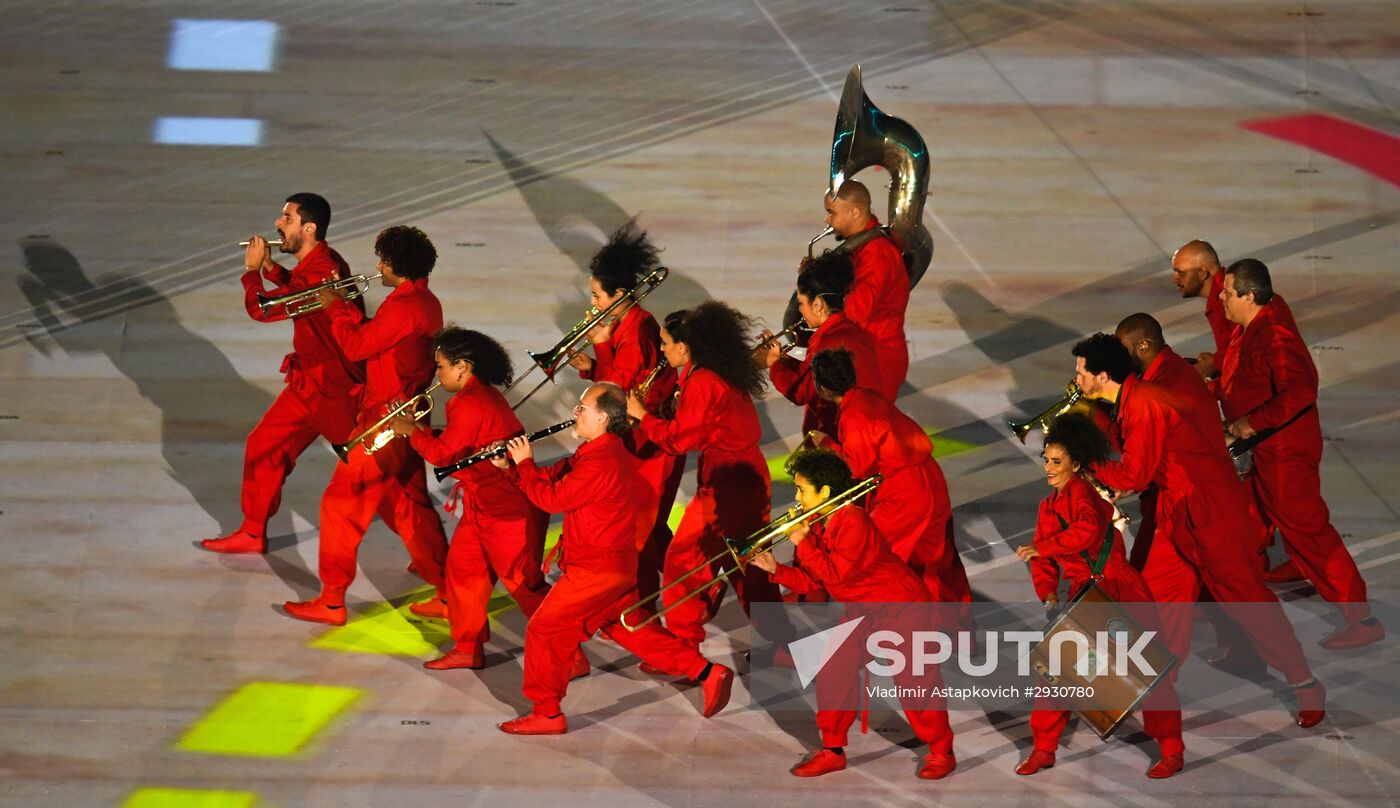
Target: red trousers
393 484
893 358
1163 726
1184 556
588 598
662 472
913 511
289 426
1288 491
483 550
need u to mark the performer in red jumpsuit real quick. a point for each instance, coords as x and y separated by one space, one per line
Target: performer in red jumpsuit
848 556
1070 531
626 354
880 295
715 416
500 534
397 344
1196 271
911 507
1269 382
604 513
1198 517
323 385
821 292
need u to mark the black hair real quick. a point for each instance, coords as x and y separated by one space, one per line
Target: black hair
407 250
834 369
315 209
488 359
626 257
1251 275
828 276
821 467
716 333
1103 353
1080 437
612 402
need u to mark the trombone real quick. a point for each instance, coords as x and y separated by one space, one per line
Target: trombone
443 472
572 344
741 552
1072 396
379 435
295 304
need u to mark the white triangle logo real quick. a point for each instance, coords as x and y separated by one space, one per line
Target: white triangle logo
810 654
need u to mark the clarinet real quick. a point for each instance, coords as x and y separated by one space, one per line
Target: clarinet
443 472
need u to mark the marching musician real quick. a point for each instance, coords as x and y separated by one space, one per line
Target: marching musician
880 294
1198 516
1269 382
396 345
500 535
627 354
322 384
1071 531
849 557
604 513
1196 271
715 416
821 294
911 507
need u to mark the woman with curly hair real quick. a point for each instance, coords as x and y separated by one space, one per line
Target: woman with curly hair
500 534
714 416
1075 539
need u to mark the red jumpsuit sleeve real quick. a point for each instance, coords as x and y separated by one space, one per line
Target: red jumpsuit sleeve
1045 573
687 431
859 306
1086 529
281 281
1292 377
360 337
556 495
836 557
795 579
858 445
1145 431
793 380
458 435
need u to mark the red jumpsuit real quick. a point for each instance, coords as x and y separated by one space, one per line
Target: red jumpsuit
1269 377
1072 522
1221 329
1198 510
849 557
397 344
604 513
500 533
794 379
322 392
911 507
626 359
876 303
732 497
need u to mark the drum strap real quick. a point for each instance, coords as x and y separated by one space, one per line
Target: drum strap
1096 565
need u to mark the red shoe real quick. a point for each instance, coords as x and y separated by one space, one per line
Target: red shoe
716 688
1167 766
1312 704
459 657
236 542
1355 635
1285 573
1038 760
316 611
581 667
937 766
432 608
822 761
535 725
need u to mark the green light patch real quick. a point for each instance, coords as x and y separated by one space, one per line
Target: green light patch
267 719
189 798
388 629
942 447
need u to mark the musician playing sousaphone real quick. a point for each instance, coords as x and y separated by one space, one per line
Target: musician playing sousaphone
1075 540
397 346
323 384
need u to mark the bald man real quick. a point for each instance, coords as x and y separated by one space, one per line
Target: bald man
880 294
1196 271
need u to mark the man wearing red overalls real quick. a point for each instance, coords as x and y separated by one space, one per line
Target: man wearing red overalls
880 294
1269 382
1196 271
604 514
323 385
1198 517
398 347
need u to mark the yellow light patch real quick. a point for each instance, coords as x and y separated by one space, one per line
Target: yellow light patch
189 798
942 447
268 719
387 629
674 520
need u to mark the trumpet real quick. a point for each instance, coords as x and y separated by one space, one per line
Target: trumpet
443 472
379 435
572 344
276 242
295 304
1072 396
789 333
742 552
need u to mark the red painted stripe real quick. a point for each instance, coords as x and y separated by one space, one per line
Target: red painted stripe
1370 150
